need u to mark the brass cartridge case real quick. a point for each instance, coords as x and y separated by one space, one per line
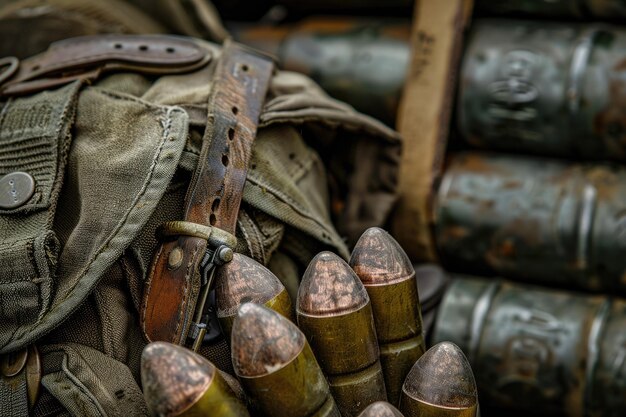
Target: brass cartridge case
545 88
440 384
536 350
276 366
534 219
179 382
389 278
335 314
381 409
245 280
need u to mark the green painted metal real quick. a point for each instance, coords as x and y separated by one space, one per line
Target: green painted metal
534 219
545 88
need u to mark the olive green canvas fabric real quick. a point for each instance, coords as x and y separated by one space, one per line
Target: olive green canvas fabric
119 155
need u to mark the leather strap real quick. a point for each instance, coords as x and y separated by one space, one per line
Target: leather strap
214 195
87 57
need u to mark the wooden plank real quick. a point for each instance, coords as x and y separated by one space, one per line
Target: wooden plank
424 117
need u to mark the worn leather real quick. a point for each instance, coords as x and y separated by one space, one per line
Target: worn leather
214 194
88 56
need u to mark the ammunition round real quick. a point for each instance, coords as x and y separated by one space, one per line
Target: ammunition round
178 382
389 278
276 366
335 314
381 409
245 280
440 384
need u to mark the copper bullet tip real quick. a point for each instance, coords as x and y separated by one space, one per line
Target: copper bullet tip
244 280
380 409
330 287
442 377
378 259
173 378
263 341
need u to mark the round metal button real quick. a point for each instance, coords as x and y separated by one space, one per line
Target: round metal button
16 188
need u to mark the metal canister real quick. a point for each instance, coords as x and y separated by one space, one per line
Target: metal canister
276 366
539 350
245 280
440 384
179 382
359 61
389 278
545 88
335 314
580 9
534 219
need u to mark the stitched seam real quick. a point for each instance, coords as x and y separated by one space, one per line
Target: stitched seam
148 289
78 384
183 305
134 205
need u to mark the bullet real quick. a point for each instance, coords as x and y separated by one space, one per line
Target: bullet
245 280
179 382
534 219
276 366
335 314
389 278
381 409
440 384
534 349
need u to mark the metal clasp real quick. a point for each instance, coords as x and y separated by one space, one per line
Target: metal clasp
220 246
12 64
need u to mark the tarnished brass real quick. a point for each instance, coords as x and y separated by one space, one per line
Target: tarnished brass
335 314
179 382
276 366
33 375
381 409
440 384
534 219
545 88
245 280
23 365
539 350
389 278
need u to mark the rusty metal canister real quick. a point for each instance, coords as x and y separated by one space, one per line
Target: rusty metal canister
545 88
389 278
580 9
335 314
534 219
276 366
537 350
359 61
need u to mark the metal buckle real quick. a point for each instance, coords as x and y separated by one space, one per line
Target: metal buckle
12 63
220 244
205 327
